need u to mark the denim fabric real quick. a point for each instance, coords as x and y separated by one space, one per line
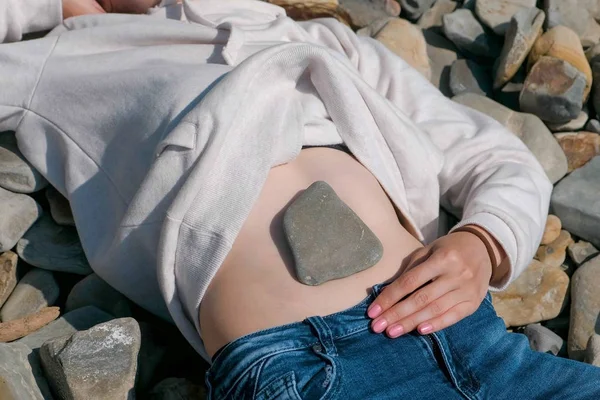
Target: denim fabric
339 357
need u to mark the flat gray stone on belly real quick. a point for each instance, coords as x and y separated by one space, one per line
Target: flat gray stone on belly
328 240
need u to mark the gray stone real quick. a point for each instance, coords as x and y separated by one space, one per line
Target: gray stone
328 240
37 289
413 9
543 339
585 307
496 14
374 27
529 128
468 76
442 53
17 215
525 27
582 251
596 83
177 389
362 13
60 209
8 275
592 352
152 353
572 125
463 29
71 322
509 94
16 174
553 90
575 201
579 15
468 5
16 377
93 291
55 247
100 363
432 18
593 125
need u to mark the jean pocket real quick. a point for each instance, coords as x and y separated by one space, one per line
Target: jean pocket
282 388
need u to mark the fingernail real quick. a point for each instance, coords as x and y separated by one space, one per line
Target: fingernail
374 311
426 328
379 325
396 331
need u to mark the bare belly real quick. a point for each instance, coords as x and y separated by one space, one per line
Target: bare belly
256 287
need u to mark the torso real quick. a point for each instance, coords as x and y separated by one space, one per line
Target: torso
255 288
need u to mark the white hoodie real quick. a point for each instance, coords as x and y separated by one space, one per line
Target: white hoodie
161 134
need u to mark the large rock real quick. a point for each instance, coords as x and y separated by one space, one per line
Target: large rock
442 53
582 251
575 201
100 363
8 275
585 307
93 291
37 289
16 377
592 353
463 29
496 14
580 147
413 9
19 212
543 339
177 389
551 230
407 41
562 43
71 322
525 27
468 76
54 247
19 328
538 294
530 129
432 18
327 239
579 15
16 174
362 13
60 209
553 90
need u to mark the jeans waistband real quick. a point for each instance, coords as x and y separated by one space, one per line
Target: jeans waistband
240 355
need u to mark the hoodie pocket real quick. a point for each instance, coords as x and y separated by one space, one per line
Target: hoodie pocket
181 139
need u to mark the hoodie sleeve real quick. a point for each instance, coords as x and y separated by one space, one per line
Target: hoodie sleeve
489 178
18 17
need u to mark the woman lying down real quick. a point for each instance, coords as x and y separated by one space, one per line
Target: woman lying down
273 187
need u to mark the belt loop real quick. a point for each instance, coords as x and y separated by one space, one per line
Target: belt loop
322 331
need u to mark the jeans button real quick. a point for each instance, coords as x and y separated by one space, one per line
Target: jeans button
317 348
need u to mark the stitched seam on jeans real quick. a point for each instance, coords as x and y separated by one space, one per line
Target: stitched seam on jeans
351 332
456 355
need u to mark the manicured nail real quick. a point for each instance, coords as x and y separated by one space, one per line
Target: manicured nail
426 328
379 325
374 311
396 331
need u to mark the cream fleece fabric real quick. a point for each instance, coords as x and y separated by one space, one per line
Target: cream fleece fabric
161 134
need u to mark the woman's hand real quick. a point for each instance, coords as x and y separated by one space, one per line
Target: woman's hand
73 8
445 282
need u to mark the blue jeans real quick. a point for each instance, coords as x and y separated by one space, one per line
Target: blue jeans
339 357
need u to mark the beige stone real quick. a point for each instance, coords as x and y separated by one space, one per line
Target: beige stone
496 14
432 18
538 294
579 147
555 253
8 275
442 54
22 327
562 43
592 352
552 229
301 10
585 307
407 41
581 251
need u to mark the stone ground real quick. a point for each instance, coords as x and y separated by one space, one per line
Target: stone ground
532 65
